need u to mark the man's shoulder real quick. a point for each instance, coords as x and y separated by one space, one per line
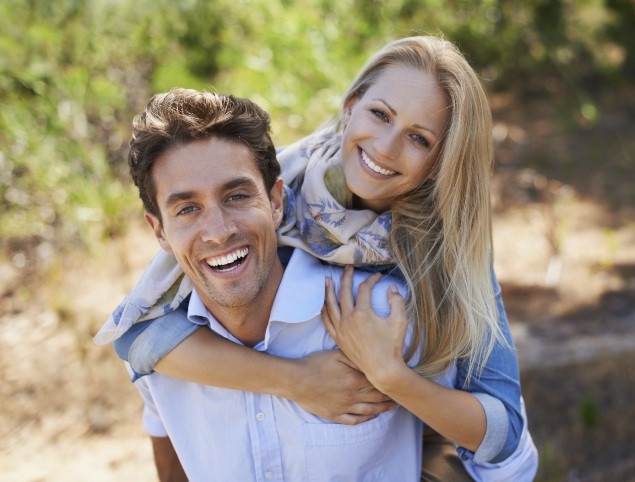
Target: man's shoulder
379 298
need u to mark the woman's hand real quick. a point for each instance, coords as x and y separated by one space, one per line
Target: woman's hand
332 388
373 343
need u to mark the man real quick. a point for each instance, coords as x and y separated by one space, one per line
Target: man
207 173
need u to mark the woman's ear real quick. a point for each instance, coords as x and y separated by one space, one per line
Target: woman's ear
348 109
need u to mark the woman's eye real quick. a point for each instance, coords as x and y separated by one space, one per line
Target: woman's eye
380 115
419 139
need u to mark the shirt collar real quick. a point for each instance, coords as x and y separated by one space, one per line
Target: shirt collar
300 296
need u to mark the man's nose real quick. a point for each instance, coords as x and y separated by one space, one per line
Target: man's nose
217 226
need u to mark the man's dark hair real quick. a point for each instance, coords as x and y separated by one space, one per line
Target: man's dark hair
181 116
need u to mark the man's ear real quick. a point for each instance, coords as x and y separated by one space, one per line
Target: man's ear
277 202
157 228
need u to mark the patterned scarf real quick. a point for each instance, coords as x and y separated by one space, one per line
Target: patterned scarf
318 218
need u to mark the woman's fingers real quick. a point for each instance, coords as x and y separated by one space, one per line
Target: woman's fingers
347 302
328 322
364 292
398 315
363 412
331 312
397 304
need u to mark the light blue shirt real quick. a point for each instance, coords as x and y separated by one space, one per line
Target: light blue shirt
223 434
497 388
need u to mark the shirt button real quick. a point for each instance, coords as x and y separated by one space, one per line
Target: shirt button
261 416
268 475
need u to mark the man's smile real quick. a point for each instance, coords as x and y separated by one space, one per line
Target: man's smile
228 261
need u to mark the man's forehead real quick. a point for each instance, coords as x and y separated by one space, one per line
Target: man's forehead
203 165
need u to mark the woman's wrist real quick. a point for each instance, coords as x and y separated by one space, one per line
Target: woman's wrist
389 377
287 379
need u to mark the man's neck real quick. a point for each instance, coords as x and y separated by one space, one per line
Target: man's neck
249 323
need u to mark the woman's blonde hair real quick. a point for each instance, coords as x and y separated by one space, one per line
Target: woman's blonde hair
441 232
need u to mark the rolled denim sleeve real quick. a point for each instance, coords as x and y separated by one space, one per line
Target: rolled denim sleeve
147 342
498 390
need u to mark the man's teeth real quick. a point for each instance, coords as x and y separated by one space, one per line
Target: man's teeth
375 167
228 259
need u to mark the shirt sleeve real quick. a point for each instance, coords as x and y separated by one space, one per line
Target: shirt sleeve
498 390
151 420
147 342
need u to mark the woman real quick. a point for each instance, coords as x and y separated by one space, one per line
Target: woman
415 151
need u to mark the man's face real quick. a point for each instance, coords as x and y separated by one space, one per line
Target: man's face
219 222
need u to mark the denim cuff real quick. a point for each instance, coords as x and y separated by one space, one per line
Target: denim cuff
497 428
147 342
495 433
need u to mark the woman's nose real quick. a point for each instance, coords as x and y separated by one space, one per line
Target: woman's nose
388 145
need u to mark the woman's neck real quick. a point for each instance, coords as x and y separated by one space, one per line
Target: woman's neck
378 206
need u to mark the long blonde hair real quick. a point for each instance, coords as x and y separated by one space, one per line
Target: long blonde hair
441 232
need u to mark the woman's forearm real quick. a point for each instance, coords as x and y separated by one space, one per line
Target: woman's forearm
208 359
323 383
455 414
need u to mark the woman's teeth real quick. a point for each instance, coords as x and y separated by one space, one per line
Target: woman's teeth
375 167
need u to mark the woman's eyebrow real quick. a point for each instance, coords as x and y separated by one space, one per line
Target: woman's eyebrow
388 106
394 112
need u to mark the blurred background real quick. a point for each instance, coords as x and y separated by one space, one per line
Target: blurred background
561 79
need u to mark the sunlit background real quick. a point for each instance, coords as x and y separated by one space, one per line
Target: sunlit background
561 79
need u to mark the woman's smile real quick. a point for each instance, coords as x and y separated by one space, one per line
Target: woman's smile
374 167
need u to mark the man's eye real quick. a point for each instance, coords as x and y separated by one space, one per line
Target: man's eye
237 197
186 210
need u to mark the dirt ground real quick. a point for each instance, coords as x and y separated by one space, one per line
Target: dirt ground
565 256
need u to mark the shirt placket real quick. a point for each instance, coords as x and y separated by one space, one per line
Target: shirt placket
264 438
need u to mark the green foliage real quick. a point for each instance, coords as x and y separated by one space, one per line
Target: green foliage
589 410
74 72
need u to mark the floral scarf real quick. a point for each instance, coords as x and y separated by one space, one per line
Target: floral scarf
318 218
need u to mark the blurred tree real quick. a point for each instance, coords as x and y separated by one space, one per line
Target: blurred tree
622 31
74 72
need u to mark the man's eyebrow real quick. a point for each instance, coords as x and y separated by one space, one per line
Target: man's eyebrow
174 198
177 197
239 182
394 112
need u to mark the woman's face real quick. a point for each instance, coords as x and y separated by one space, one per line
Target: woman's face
390 135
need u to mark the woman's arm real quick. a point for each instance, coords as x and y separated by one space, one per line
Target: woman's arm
325 383
375 345
498 388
